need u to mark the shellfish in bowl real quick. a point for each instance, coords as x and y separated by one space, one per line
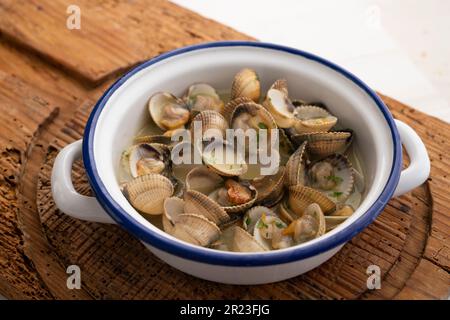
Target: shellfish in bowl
219 201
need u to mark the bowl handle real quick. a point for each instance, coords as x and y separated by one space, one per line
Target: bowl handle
67 199
419 168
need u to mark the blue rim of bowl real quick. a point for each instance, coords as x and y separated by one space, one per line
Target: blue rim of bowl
216 257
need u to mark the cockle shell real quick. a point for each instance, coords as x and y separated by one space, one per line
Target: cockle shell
202 96
323 144
213 124
313 119
280 107
245 242
197 202
246 84
300 197
167 111
296 167
147 193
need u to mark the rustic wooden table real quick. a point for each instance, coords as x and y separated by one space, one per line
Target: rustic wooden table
50 77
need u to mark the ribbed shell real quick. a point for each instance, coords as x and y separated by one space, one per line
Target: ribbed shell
246 84
296 166
283 118
210 119
173 207
323 144
244 242
270 188
300 197
147 193
343 169
280 84
201 204
195 229
304 113
253 109
232 104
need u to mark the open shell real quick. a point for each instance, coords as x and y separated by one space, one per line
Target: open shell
323 144
172 208
146 158
296 167
244 241
253 215
202 96
213 185
332 176
147 193
232 104
309 226
269 233
313 119
270 187
167 111
280 84
195 229
213 124
300 197
222 165
197 202
280 107
246 84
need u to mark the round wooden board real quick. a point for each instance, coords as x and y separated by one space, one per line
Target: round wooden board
115 265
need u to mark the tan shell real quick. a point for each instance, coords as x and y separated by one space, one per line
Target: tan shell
342 170
300 197
209 120
173 207
253 215
202 96
280 107
206 181
257 113
323 144
313 119
147 193
285 213
246 84
244 242
296 167
153 139
232 104
195 229
158 105
225 169
270 188
332 222
282 85
195 201
138 156
311 225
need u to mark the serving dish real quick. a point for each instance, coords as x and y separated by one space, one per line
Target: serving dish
379 139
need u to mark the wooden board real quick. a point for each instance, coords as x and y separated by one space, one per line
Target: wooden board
409 241
114 34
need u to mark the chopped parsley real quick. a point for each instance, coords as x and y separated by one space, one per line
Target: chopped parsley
336 194
248 221
335 179
262 125
261 224
279 225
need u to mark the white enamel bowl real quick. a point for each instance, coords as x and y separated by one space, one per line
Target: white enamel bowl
122 111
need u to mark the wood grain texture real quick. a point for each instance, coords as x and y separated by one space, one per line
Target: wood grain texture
114 35
117 266
48 86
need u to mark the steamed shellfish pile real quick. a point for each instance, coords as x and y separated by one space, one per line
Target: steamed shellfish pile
317 186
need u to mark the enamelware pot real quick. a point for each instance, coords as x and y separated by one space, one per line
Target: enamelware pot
122 111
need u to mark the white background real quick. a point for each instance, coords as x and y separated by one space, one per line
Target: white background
399 47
